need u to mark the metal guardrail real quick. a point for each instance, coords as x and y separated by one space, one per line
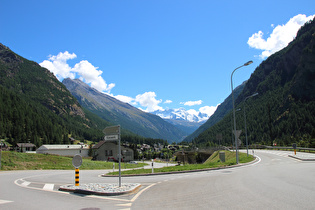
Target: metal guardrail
291 148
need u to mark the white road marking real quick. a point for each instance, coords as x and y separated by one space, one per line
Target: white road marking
4 201
48 187
139 193
25 183
124 204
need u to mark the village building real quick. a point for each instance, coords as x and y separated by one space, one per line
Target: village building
64 150
108 151
25 147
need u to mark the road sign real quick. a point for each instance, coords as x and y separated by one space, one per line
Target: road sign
113 133
238 133
294 146
111 137
77 161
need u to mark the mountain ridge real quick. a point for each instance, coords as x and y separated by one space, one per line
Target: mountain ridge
283 112
117 112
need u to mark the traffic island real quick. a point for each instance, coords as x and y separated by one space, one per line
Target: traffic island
102 188
304 157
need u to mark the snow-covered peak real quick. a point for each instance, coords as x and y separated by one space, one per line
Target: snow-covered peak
190 115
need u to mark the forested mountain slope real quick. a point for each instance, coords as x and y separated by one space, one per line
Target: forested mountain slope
35 107
117 112
284 110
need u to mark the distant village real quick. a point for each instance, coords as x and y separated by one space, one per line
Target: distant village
103 150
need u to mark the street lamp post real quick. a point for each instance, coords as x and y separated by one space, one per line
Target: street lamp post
255 94
246 64
0 152
232 128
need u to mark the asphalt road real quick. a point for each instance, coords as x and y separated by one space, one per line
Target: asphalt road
276 181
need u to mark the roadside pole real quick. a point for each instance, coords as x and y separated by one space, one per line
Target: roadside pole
119 156
294 147
112 133
77 162
77 177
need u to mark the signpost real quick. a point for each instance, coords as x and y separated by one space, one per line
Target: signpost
237 133
112 133
219 138
294 147
77 162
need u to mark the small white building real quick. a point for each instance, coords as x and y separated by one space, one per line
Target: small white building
64 150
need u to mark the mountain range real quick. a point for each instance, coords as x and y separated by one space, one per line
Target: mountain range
182 114
117 112
35 107
182 119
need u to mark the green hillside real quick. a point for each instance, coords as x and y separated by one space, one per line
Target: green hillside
284 110
35 107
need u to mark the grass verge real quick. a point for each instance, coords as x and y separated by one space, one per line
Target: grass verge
30 161
212 162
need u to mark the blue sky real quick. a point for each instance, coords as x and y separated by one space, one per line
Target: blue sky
152 54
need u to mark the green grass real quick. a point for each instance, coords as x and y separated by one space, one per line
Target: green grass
30 161
212 162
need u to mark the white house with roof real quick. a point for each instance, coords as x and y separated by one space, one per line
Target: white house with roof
64 150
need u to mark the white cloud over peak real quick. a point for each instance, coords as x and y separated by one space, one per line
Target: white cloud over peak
280 36
191 103
125 99
88 73
85 71
148 100
209 110
57 64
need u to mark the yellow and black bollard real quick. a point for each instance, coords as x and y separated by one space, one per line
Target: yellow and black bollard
77 177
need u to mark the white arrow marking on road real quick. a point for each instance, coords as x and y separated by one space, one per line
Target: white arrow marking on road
4 201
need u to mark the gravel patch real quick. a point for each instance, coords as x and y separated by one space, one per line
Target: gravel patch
106 189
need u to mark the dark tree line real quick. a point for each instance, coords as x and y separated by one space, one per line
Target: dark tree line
27 121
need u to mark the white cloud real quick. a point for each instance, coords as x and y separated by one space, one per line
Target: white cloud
168 102
84 69
126 99
191 103
280 36
192 115
149 101
209 110
57 64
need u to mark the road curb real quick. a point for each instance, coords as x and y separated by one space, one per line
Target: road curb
302 159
